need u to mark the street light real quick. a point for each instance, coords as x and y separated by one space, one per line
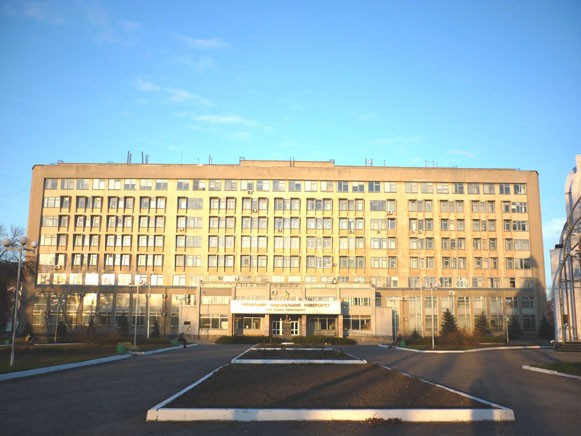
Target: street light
20 247
432 286
136 306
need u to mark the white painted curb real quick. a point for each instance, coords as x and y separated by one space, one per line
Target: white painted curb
407 415
46 370
495 413
472 350
550 371
297 361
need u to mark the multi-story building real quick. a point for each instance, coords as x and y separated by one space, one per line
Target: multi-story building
566 264
284 247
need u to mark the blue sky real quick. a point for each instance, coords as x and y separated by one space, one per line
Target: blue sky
447 83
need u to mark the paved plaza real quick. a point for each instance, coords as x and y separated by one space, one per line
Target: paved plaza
113 398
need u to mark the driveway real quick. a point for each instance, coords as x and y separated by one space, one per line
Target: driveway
113 398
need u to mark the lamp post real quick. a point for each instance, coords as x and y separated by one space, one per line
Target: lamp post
136 306
20 247
432 286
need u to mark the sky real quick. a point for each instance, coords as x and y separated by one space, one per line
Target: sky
470 84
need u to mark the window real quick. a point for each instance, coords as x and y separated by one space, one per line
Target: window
458 188
358 187
67 184
342 186
504 188
215 185
489 188
183 185
146 184
198 185
390 187
161 185
130 184
51 184
357 322
83 184
520 188
411 187
473 188
279 185
373 187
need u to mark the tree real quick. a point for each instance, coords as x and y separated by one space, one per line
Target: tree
514 330
123 326
8 272
482 327
155 331
546 330
449 325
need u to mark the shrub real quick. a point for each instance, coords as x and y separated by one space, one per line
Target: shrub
319 340
458 338
247 339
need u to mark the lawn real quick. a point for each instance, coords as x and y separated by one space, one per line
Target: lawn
39 356
42 355
573 368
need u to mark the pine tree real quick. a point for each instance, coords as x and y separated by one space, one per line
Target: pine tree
449 323
155 331
482 328
545 329
123 326
514 330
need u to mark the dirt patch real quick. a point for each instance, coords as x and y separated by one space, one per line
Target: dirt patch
299 354
323 386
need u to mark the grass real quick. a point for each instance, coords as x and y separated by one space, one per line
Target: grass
32 357
573 368
42 355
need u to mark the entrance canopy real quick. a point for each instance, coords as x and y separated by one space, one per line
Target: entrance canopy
285 306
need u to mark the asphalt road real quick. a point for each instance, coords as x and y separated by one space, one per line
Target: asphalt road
113 398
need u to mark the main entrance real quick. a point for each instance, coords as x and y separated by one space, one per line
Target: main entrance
279 322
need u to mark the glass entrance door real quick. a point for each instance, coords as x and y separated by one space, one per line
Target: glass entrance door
295 331
277 327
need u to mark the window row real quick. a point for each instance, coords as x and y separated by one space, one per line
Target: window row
286 186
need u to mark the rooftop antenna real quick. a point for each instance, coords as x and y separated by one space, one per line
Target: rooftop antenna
128 157
210 159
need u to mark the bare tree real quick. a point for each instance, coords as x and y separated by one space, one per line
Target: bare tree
8 270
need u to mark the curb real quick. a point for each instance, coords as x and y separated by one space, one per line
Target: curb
297 361
497 413
160 350
473 350
48 369
550 372
55 368
406 415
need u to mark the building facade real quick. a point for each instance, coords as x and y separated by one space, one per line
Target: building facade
284 248
566 263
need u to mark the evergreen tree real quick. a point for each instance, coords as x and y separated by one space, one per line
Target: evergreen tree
123 326
546 330
514 330
155 331
482 328
449 323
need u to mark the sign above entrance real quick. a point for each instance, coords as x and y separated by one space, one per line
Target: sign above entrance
280 306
